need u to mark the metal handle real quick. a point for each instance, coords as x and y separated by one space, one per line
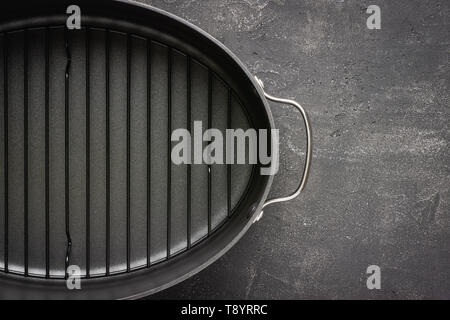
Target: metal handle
308 147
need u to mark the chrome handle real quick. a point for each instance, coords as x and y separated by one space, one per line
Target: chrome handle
308 148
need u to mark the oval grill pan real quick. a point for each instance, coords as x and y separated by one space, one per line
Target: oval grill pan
86 176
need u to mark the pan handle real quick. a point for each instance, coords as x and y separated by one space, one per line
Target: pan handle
308 148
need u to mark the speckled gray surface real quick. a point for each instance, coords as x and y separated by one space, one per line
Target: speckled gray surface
379 188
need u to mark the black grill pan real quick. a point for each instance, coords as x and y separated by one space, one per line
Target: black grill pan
86 177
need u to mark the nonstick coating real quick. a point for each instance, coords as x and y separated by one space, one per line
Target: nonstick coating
86 122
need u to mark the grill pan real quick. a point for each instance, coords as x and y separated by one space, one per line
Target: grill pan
86 177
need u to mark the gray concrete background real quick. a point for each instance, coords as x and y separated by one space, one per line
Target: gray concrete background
379 188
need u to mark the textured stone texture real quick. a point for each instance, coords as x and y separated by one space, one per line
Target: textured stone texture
379 188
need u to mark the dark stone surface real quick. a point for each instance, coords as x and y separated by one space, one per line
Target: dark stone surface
379 189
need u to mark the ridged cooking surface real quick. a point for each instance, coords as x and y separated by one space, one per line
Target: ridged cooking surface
98 152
